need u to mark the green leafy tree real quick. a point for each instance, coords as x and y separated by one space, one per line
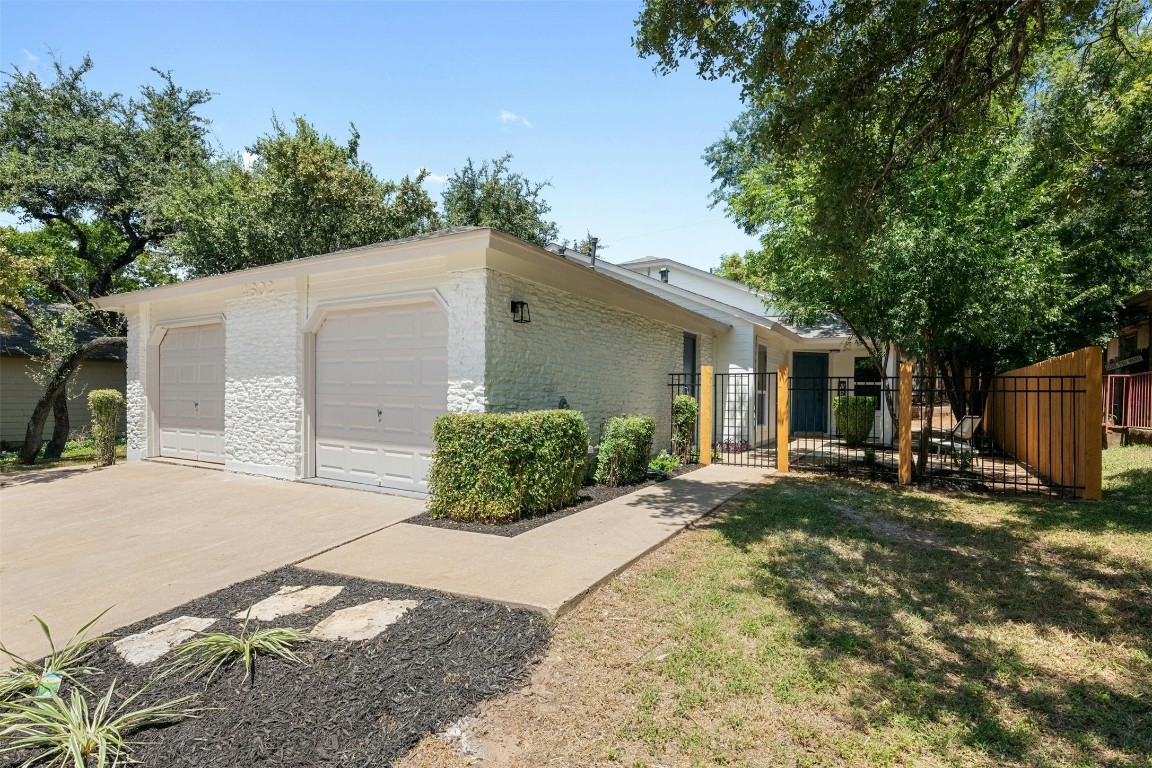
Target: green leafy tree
967 181
98 172
862 90
303 194
1091 147
490 195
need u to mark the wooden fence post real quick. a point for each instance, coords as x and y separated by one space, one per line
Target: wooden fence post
782 421
905 423
704 440
1090 416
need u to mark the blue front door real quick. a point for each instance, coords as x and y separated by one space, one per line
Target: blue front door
809 392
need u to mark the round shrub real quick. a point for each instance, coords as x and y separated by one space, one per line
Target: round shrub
624 450
685 411
500 467
854 417
105 406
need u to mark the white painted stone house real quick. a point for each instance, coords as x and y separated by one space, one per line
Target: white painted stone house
334 367
824 360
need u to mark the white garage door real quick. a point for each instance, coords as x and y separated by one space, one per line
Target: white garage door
192 393
381 380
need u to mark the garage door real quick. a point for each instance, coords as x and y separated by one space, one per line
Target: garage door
192 393
381 380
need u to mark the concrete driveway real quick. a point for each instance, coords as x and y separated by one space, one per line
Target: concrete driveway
145 537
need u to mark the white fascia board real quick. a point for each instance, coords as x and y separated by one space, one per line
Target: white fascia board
450 245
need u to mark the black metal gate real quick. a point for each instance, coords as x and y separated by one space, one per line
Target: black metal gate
744 423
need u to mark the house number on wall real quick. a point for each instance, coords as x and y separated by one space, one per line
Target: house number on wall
262 288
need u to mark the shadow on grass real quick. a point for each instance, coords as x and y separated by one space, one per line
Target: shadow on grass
940 628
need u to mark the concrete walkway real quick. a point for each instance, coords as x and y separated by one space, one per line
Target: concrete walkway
548 568
145 537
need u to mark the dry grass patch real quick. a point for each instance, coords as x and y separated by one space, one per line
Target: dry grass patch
830 622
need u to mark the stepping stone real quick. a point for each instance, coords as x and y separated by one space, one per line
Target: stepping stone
149 645
289 600
362 622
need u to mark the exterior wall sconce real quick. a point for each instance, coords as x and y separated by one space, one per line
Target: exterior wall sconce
520 313
664 275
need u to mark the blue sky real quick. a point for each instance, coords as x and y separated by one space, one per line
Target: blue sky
430 84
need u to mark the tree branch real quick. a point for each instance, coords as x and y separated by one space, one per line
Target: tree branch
20 312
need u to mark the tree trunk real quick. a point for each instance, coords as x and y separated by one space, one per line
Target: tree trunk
34 434
967 383
60 427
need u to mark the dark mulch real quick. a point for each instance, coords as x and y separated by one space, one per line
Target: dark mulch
354 703
590 496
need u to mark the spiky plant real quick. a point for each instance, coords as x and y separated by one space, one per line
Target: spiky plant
212 651
68 662
70 733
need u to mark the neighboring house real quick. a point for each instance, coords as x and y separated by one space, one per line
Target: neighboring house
1129 351
824 360
334 367
19 392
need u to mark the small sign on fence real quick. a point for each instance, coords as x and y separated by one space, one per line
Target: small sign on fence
1117 364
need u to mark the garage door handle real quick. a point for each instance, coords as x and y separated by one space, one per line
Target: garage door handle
379 413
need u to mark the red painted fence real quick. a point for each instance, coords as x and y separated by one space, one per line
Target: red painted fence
1128 400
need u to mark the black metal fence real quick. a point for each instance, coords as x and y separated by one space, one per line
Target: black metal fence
1017 437
843 424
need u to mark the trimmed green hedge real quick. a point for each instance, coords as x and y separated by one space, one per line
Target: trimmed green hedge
105 406
854 417
685 411
500 467
625 450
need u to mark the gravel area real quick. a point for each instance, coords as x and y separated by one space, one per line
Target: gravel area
353 703
590 496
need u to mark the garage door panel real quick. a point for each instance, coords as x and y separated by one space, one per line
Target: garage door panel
191 415
433 370
399 424
381 380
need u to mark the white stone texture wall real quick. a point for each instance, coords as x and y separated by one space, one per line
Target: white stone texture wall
466 301
263 396
135 391
604 361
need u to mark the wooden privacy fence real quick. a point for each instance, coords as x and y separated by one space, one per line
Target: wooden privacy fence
1047 416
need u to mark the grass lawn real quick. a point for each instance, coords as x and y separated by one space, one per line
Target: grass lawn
829 622
77 453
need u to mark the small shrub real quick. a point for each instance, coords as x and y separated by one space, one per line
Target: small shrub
685 411
105 405
664 464
870 456
212 651
624 450
66 663
500 467
963 460
71 733
854 417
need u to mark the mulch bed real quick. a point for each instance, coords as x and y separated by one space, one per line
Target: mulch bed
354 703
590 496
